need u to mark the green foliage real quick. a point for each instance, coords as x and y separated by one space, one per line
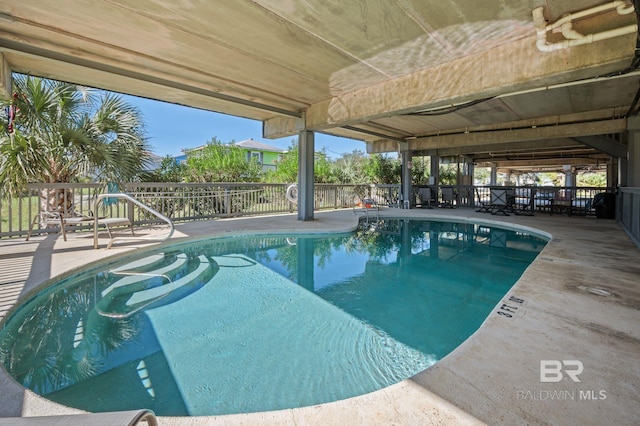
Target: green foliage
286 169
482 175
448 174
548 179
596 179
218 162
67 133
420 170
381 169
530 178
323 168
169 171
349 168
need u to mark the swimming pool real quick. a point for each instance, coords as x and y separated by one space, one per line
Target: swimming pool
249 324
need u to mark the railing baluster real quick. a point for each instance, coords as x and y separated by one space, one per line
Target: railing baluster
194 201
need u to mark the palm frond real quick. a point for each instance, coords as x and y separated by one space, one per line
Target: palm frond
19 162
65 132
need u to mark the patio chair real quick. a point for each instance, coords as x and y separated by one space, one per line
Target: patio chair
115 221
543 199
365 205
485 205
511 199
63 219
499 201
561 204
524 201
425 197
57 218
448 197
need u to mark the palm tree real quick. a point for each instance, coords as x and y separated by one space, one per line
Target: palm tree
59 132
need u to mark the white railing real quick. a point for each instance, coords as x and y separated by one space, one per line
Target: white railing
179 202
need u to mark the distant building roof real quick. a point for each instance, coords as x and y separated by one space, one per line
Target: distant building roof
249 144
257 146
155 161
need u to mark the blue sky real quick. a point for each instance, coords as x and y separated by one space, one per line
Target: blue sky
173 127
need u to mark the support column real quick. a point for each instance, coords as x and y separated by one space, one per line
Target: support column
305 175
471 171
434 176
5 78
614 172
493 179
468 192
633 141
569 176
569 181
407 200
623 171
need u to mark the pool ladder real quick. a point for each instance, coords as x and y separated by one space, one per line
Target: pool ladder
137 203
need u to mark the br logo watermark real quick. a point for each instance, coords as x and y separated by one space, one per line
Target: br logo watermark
552 370
555 371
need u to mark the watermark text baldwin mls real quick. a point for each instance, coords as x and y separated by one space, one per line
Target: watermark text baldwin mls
562 395
554 371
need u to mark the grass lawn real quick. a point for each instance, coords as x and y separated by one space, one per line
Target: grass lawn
16 214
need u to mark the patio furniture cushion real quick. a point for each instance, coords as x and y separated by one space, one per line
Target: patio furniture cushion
113 418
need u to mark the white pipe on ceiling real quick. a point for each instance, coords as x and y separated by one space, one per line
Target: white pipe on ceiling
574 38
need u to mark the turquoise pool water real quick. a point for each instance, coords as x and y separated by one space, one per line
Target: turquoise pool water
247 324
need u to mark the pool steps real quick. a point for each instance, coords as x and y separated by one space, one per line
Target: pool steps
133 276
157 292
139 290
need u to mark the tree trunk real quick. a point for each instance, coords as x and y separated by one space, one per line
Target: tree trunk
56 200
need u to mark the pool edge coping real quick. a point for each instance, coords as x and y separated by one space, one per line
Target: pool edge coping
442 406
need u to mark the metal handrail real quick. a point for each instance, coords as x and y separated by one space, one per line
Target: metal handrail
139 274
129 198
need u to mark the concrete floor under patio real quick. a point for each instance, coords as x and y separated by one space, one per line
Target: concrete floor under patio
579 300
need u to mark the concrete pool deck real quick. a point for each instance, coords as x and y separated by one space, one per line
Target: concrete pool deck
578 302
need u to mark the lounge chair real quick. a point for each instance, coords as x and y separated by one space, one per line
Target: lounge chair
72 218
124 418
49 219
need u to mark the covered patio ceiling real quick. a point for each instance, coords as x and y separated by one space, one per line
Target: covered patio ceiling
456 77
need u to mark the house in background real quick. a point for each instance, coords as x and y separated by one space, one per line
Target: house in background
267 155
155 161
